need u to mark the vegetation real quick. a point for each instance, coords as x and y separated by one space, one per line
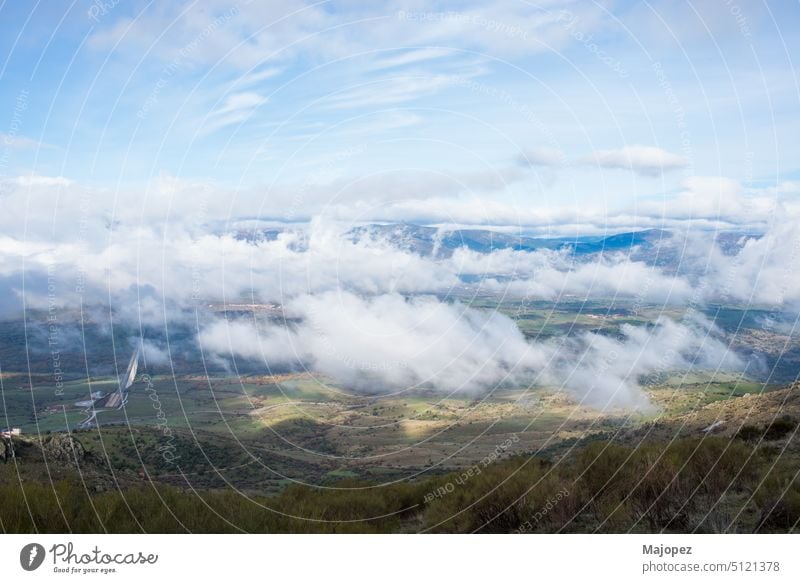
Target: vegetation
704 485
777 429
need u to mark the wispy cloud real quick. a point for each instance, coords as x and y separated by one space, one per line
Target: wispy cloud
409 58
390 91
236 108
384 122
21 142
256 77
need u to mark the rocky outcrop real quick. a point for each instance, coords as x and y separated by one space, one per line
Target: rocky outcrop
63 447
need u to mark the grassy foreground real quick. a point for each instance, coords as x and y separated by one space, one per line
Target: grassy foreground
713 484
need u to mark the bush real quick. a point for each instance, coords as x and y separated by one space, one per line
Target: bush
779 428
779 502
749 433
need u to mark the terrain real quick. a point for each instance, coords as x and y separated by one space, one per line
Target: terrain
665 474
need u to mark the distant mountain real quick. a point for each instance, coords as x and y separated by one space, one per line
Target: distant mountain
431 241
622 242
652 246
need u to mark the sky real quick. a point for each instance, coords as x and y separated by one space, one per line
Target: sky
553 116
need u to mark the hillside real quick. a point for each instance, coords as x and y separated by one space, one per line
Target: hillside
663 475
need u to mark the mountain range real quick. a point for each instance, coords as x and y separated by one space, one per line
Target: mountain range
653 246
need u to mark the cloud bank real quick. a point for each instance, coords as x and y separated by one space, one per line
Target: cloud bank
376 313
391 343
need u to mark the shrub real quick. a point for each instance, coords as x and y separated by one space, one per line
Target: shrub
749 433
779 428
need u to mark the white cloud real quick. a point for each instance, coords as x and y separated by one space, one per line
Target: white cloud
390 343
256 77
644 160
478 197
715 197
38 180
239 101
552 275
169 239
237 108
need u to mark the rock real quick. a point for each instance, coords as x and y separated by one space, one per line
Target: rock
714 427
63 447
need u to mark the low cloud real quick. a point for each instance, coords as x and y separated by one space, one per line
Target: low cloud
159 267
483 196
390 343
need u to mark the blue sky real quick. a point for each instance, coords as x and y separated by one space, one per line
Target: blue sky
546 105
